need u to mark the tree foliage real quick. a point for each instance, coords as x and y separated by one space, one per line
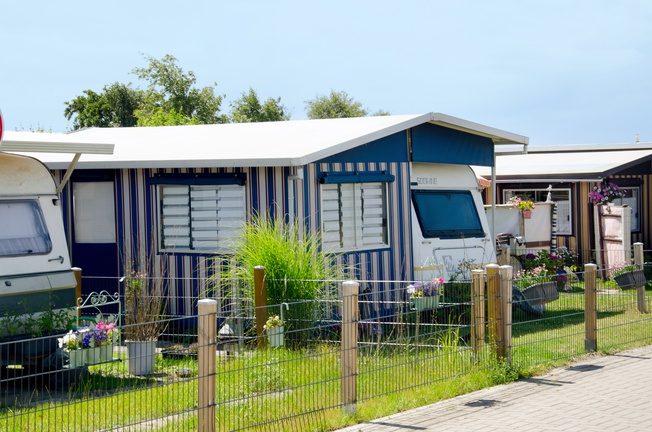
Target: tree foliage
248 109
171 94
170 99
334 105
113 107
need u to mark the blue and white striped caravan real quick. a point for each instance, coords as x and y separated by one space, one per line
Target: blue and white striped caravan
186 189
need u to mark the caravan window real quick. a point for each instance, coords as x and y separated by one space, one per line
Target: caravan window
23 230
354 216
200 218
447 214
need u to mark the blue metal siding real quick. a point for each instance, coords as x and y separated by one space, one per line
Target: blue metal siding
438 144
391 148
394 262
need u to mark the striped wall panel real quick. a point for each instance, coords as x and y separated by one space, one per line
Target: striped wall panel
267 191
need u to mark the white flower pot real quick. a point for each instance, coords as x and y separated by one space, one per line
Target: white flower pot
140 357
101 354
424 303
76 358
275 337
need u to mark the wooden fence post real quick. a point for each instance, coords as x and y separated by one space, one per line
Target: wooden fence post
506 307
207 363
349 345
477 310
494 310
590 308
505 257
260 301
639 261
78 288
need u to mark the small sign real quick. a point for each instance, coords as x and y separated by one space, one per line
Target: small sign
427 180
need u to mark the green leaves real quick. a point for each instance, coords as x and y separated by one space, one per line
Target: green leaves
335 105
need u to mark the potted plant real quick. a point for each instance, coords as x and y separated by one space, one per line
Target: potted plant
274 330
145 303
627 276
89 345
524 205
426 295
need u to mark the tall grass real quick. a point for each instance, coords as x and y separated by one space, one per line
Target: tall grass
296 269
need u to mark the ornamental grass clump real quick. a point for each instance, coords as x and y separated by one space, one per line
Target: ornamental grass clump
296 270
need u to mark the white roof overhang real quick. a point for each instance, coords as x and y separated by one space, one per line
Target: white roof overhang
42 143
565 165
288 143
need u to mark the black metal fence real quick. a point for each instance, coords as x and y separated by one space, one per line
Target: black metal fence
295 379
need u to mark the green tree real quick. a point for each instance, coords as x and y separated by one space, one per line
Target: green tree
123 101
335 105
113 107
89 110
171 94
248 109
170 99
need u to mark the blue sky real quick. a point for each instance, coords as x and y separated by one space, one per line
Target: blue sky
557 71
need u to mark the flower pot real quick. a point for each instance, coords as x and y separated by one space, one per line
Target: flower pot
76 358
140 357
100 354
527 214
630 279
275 337
424 303
541 293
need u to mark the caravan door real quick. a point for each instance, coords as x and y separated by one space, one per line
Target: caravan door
450 233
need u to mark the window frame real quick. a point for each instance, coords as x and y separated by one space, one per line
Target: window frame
39 228
636 214
194 186
357 194
427 229
531 193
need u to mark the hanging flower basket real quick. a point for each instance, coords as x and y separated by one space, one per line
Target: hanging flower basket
527 214
630 279
426 295
541 293
275 336
424 303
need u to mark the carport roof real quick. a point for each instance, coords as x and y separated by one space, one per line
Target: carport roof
290 143
572 162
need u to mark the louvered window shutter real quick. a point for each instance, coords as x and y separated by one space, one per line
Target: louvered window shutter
201 217
354 216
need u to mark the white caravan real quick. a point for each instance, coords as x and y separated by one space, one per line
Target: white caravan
450 233
35 269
